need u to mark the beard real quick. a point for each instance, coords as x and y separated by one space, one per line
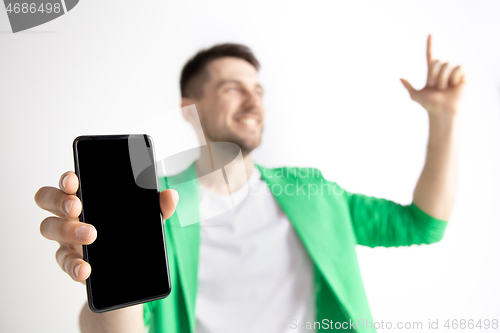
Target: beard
246 144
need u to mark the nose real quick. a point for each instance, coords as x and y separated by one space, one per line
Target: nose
252 100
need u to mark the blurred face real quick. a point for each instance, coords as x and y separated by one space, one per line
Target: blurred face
231 108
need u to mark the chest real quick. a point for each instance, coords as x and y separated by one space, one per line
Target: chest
248 243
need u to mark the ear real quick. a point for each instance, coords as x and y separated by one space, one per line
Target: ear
186 101
190 114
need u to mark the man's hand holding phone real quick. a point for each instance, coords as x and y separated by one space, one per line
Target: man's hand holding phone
66 229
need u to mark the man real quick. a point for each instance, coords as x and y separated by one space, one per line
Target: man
281 260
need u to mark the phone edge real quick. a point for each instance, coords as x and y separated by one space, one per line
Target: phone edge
90 301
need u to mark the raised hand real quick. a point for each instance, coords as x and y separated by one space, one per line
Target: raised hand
443 91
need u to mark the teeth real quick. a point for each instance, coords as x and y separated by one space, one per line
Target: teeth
248 121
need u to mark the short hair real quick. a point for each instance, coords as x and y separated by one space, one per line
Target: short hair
194 75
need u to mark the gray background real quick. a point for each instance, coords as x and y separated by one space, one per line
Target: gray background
333 101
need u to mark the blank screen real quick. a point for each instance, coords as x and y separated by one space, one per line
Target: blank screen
128 258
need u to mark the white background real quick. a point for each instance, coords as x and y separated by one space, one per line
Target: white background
334 101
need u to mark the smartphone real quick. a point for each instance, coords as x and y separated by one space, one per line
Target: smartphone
120 198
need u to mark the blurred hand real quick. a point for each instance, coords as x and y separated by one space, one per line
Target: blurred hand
443 91
66 229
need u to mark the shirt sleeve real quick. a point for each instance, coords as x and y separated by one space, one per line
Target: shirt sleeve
381 222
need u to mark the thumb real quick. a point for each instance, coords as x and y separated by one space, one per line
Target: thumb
168 201
408 87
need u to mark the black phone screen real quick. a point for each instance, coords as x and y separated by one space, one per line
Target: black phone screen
128 258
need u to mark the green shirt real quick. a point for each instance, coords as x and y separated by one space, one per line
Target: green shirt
330 222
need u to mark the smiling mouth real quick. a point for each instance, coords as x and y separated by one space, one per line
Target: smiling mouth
248 121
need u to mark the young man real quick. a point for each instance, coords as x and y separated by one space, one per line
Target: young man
281 258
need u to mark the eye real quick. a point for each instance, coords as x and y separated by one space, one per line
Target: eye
232 89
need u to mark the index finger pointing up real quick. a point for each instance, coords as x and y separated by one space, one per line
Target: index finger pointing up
429 49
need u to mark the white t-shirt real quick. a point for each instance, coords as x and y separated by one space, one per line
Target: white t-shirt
254 274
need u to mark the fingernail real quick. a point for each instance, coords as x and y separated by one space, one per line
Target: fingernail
64 181
67 205
77 270
83 232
